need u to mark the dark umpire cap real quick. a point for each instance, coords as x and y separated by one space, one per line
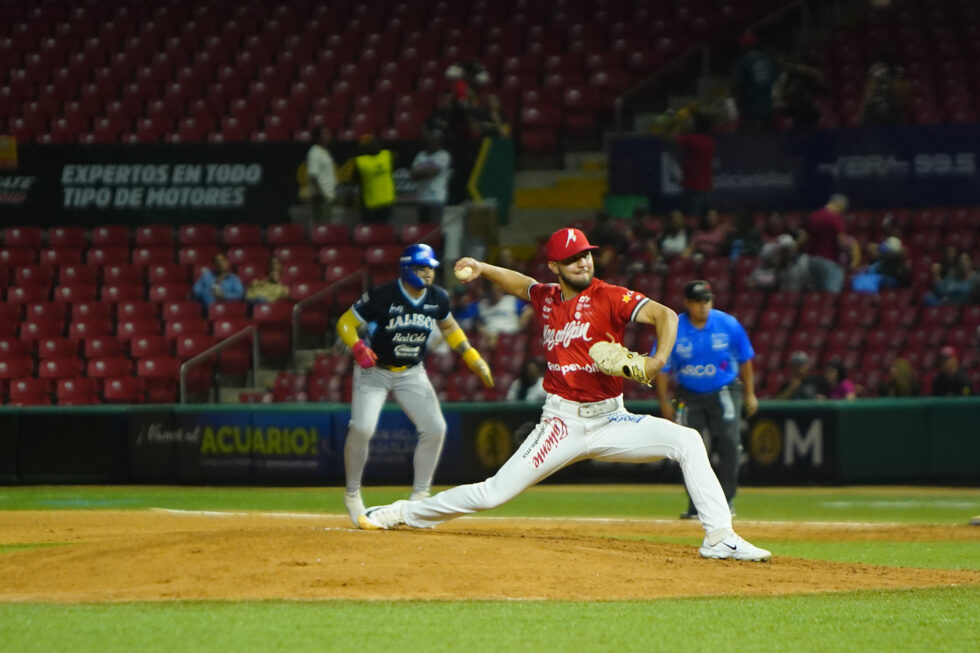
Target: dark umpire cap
698 290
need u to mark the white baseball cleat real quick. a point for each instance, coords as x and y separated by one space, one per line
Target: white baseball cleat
381 518
734 547
355 505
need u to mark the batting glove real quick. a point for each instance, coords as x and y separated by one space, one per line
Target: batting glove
363 354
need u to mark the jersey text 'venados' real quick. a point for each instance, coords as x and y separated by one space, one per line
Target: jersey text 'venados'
571 327
403 324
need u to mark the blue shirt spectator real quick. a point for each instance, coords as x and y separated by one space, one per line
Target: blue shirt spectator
223 285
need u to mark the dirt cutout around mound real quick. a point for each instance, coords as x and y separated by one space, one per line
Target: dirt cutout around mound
161 555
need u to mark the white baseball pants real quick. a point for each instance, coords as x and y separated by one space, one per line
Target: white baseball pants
414 393
570 431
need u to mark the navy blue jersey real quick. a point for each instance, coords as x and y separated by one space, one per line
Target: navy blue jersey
403 324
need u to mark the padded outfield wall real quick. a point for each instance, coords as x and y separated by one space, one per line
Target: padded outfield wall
786 443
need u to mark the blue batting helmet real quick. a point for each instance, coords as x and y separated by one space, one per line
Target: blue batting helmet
413 256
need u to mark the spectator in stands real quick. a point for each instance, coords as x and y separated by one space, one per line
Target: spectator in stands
442 117
490 120
711 236
431 170
322 175
901 381
676 240
775 226
960 286
219 284
781 267
268 288
951 381
698 153
611 239
744 239
826 240
499 312
755 73
886 95
803 384
529 386
373 169
792 265
796 91
765 275
464 308
888 260
838 386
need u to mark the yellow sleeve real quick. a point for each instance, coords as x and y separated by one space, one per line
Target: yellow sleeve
347 327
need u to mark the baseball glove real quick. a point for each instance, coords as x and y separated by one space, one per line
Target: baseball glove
615 359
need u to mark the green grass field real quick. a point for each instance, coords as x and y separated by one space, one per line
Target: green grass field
938 619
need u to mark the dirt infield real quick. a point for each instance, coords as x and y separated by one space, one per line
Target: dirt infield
157 555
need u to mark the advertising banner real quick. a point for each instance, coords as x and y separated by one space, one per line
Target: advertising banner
923 165
287 447
154 442
89 449
8 447
790 446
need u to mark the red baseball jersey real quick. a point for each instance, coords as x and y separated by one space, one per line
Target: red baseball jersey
571 327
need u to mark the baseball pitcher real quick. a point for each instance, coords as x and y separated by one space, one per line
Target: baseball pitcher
583 417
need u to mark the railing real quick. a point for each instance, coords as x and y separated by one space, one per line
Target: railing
211 352
323 292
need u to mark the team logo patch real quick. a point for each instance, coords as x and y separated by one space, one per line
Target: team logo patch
543 441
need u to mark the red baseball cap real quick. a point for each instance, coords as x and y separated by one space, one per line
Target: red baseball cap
947 352
566 243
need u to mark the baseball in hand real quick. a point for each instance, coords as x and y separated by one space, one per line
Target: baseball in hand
464 273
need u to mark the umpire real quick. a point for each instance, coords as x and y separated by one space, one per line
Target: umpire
712 362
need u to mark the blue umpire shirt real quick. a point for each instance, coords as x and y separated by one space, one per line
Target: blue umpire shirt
707 359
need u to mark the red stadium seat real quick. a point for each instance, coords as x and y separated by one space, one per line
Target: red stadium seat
193 344
60 368
150 255
169 292
330 234
286 234
16 256
103 368
16 367
160 377
125 292
130 328
107 255
46 311
56 347
374 234
60 256
76 391
168 273
182 310
30 392
73 237
241 234
89 328
340 255
123 390
194 255
155 235
198 234
91 311
110 236
22 236
228 309
148 345
101 347
79 275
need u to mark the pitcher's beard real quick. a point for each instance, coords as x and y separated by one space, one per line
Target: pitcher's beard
575 284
